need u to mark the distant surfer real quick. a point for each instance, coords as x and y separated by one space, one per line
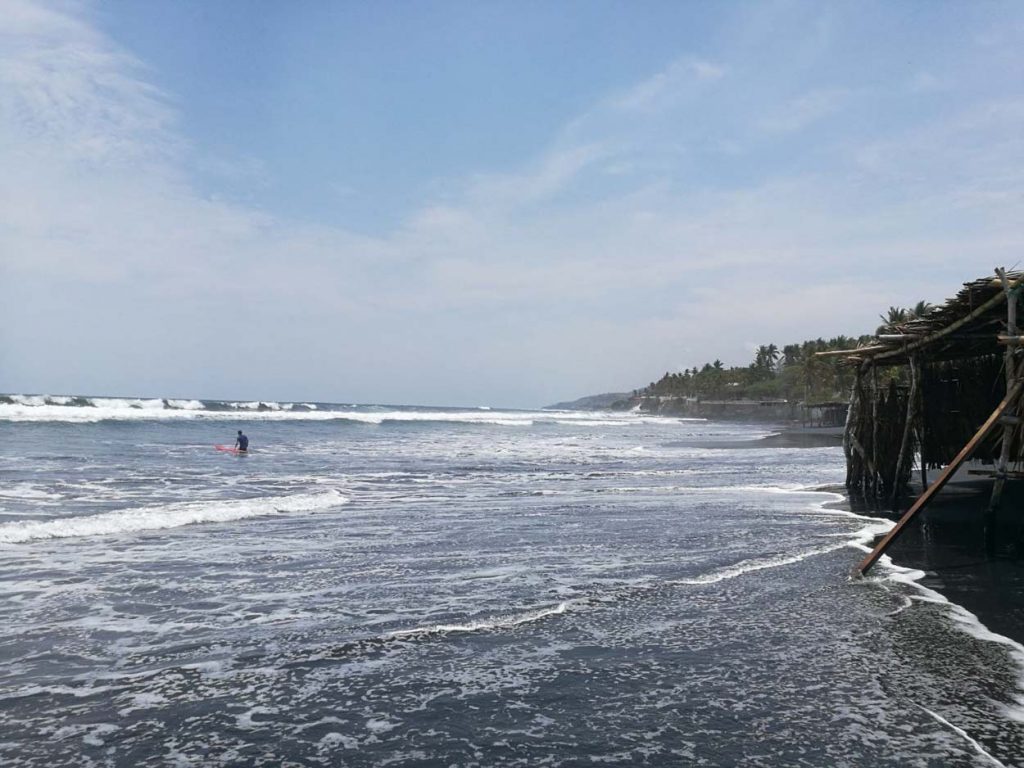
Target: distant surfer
242 443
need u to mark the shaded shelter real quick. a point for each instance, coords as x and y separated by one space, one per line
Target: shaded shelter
942 388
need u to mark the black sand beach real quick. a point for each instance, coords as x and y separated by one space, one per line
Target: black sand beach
948 542
981 570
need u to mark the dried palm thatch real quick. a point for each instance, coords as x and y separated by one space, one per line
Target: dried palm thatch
943 386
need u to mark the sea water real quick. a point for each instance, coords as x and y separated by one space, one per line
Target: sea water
379 585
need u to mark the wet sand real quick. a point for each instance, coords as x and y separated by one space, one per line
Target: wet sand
786 437
981 570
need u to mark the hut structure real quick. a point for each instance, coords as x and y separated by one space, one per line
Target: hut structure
945 387
831 413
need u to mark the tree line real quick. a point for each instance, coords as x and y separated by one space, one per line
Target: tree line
793 372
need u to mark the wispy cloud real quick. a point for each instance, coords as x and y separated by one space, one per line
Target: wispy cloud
665 87
644 221
805 110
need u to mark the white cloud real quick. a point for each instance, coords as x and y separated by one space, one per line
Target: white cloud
664 88
601 263
926 82
805 110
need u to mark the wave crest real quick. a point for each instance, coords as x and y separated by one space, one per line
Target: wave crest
140 519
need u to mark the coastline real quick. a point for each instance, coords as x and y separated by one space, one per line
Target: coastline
948 542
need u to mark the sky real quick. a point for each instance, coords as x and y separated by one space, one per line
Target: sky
485 203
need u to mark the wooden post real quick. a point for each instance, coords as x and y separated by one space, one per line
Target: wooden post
921 426
907 424
848 428
875 474
1012 374
865 469
942 479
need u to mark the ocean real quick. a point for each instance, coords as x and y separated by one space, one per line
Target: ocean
387 585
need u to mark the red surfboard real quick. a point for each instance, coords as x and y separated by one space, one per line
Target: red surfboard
227 449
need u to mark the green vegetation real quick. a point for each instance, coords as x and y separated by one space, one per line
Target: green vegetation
794 373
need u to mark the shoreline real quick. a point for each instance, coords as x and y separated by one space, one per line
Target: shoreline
781 437
948 545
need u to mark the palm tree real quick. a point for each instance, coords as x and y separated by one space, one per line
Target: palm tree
921 309
892 319
790 354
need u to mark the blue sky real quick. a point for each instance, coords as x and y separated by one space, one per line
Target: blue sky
485 203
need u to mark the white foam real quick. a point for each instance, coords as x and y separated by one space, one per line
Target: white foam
45 408
153 410
27 491
960 616
758 564
500 622
595 422
186 405
962 733
125 403
30 400
169 516
257 405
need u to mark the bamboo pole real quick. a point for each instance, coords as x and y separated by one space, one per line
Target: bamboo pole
1012 375
876 474
980 310
940 482
852 352
921 427
866 466
848 429
907 424
886 350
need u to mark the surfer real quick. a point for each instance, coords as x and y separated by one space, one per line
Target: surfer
242 443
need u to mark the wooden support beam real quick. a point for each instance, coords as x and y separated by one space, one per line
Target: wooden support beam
852 352
851 408
907 425
921 426
1013 374
876 475
940 482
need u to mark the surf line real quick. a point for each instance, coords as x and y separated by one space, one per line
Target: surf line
748 566
501 622
176 515
963 734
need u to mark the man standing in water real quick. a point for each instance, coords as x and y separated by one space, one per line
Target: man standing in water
242 443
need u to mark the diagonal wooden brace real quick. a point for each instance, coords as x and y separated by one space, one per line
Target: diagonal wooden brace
943 478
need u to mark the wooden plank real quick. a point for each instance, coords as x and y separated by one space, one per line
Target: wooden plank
941 480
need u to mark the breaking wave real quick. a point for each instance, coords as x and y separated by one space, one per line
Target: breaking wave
139 519
79 409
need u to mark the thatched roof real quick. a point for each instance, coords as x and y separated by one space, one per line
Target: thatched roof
967 325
